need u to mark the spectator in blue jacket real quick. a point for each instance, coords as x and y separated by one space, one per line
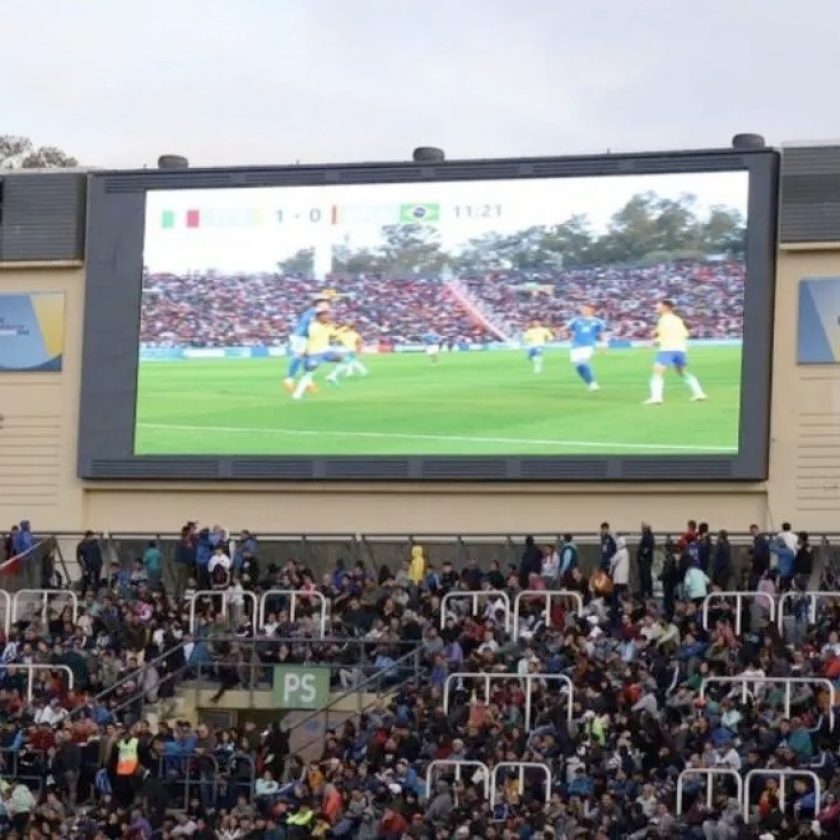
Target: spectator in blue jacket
785 560
203 553
23 540
608 546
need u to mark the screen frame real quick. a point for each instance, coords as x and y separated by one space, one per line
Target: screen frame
110 359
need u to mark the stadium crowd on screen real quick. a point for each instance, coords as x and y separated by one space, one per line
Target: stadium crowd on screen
219 310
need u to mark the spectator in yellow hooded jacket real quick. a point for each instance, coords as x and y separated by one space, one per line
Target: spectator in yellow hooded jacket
417 571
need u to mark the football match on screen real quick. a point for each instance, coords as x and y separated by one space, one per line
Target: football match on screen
547 316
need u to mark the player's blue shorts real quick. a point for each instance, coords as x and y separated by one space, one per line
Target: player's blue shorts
672 358
314 361
533 352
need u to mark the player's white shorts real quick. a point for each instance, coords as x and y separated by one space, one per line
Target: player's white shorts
432 349
581 355
297 344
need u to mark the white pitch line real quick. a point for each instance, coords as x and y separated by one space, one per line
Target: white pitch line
439 438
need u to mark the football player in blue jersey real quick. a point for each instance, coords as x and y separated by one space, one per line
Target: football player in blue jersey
299 339
586 333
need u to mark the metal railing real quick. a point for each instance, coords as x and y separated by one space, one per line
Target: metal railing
782 773
320 551
813 598
35 775
254 674
739 597
179 770
489 677
7 611
31 668
45 595
474 597
709 773
135 677
746 680
32 568
374 681
294 596
530 679
522 766
547 595
458 765
227 596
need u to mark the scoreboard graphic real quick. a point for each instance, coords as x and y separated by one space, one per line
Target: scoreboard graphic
31 331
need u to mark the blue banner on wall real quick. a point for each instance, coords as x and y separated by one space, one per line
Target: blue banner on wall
31 331
818 328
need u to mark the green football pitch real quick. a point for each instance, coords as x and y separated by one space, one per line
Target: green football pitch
475 403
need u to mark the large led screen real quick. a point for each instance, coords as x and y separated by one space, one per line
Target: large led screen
530 317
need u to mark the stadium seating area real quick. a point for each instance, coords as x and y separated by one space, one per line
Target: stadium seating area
217 310
609 693
710 297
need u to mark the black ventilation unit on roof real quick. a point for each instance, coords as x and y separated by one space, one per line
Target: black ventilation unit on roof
42 216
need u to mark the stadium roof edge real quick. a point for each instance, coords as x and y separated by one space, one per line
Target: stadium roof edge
442 164
809 144
52 170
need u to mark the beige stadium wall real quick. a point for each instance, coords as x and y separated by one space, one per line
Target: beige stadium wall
805 418
38 461
39 413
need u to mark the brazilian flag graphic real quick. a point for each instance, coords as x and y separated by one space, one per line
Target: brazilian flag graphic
419 213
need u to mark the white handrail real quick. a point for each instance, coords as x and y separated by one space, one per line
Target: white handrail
529 687
529 680
738 596
782 773
474 596
32 668
812 596
227 596
294 596
788 682
547 594
708 772
45 598
7 612
523 766
457 764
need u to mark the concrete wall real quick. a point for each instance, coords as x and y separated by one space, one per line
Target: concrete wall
38 454
40 413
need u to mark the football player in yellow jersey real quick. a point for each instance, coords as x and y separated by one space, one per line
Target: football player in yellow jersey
352 344
535 338
671 337
319 349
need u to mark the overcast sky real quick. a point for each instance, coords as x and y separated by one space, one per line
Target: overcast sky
117 82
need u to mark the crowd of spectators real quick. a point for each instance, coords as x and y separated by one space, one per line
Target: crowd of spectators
218 310
709 296
88 763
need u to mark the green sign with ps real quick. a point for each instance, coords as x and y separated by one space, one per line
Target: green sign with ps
301 687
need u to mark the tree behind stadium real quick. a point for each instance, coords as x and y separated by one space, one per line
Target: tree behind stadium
21 153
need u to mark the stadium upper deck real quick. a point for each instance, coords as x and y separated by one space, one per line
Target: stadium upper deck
43 252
